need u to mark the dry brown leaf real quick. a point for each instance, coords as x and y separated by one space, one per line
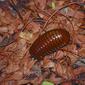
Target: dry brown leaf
82 52
42 4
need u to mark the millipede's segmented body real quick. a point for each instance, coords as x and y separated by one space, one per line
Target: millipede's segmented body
49 42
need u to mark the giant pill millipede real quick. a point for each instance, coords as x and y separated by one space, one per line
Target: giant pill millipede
49 42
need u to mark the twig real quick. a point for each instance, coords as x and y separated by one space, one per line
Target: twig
58 11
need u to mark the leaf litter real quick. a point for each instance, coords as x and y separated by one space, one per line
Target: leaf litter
21 22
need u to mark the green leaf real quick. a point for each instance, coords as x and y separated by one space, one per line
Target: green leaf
47 83
53 5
